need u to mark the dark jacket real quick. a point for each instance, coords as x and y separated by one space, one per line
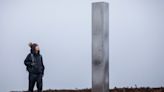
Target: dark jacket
34 63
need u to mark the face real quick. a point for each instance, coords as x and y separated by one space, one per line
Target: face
37 48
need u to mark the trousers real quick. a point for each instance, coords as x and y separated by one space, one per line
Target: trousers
35 79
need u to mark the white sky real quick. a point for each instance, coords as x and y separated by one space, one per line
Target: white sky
63 30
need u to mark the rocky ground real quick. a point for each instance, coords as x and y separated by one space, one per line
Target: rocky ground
111 90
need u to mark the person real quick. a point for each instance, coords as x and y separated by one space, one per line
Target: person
35 67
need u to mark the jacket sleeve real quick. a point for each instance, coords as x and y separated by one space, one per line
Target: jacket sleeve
42 64
27 61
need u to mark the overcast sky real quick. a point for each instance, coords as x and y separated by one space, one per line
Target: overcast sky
62 28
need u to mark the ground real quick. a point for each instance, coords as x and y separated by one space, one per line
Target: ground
143 89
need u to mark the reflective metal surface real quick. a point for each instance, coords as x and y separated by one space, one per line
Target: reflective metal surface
100 47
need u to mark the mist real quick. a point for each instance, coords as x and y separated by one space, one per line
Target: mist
62 29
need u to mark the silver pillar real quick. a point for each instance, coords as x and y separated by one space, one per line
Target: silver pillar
100 47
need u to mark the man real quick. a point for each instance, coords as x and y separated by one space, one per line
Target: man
35 67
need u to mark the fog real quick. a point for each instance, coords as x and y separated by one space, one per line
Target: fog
62 28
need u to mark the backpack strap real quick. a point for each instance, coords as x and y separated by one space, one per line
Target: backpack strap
32 58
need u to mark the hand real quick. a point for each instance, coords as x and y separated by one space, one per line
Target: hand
32 63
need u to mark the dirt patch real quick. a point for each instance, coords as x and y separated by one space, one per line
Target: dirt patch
114 90
111 90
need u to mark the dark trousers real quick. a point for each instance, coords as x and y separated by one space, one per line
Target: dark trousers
35 78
